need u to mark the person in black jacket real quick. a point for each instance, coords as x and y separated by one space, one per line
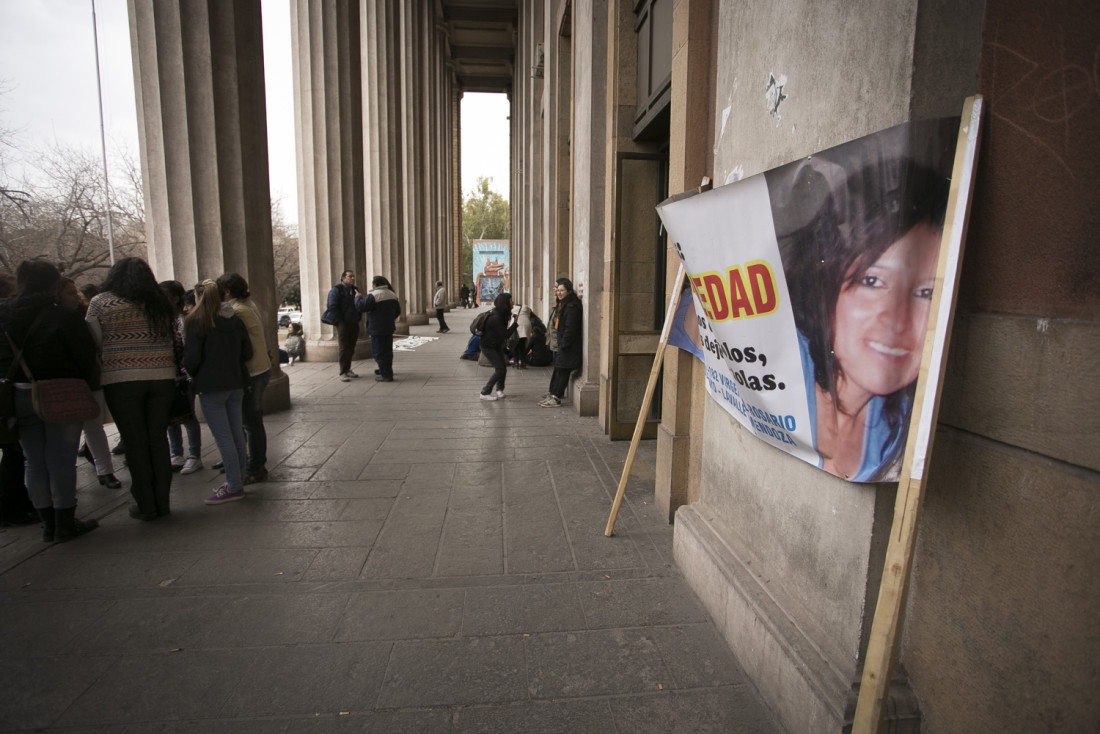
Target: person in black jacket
341 305
382 309
499 326
569 325
56 343
216 348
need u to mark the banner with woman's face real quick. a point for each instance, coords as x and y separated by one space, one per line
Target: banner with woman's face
811 285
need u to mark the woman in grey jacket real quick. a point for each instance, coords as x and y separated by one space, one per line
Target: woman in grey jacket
216 349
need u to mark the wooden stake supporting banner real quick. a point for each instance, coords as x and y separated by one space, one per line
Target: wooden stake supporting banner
882 645
658 360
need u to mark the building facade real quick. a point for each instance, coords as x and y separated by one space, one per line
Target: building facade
617 104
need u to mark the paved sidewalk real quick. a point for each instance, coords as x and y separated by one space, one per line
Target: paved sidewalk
419 561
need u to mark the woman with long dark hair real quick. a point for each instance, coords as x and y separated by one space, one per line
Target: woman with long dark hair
54 344
216 350
499 325
135 327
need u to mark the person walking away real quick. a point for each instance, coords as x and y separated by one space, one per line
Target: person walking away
54 344
568 324
216 350
341 307
295 342
382 309
175 293
235 289
134 326
438 301
95 450
464 295
499 326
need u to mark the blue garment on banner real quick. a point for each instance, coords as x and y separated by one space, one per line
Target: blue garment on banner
880 440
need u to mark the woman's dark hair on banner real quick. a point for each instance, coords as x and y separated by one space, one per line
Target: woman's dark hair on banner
859 237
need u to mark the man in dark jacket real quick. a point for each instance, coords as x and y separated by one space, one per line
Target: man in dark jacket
382 309
569 325
341 305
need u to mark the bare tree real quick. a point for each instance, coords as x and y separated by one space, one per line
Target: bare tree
284 241
64 217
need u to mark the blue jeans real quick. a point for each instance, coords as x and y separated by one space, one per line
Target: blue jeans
50 451
253 416
194 439
222 411
381 348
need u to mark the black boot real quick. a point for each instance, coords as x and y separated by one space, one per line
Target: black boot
68 526
48 523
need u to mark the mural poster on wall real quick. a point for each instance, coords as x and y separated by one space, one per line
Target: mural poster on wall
492 269
811 286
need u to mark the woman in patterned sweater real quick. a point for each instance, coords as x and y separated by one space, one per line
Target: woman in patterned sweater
135 327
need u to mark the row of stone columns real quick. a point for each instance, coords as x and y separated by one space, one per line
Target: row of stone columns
374 139
201 103
374 126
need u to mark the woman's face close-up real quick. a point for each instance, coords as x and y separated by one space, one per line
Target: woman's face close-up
881 317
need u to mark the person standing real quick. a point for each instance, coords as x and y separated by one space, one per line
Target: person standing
217 348
341 307
237 295
568 323
54 344
464 295
382 309
175 293
499 326
438 301
136 330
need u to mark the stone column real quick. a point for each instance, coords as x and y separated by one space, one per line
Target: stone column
328 135
684 394
202 126
411 47
382 143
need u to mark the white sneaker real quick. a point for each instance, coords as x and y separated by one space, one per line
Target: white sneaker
349 373
292 360
191 466
345 377
490 396
177 463
500 394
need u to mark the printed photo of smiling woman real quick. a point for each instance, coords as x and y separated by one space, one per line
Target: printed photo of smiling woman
860 271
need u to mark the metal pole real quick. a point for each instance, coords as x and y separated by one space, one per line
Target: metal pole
103 141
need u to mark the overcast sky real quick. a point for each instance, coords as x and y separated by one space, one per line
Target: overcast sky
47 71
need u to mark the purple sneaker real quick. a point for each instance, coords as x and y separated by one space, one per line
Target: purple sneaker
222 495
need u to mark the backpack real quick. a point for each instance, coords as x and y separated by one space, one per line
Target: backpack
478 324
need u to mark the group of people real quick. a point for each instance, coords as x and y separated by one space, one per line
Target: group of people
566 326
343 309
139 345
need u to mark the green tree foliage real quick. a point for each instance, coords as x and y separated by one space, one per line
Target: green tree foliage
284 245
484 217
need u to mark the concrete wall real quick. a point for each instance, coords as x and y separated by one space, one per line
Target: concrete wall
1001 630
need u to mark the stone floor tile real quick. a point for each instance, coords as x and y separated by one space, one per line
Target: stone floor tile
408 721
697 656
718 710
539 717
503 610
446 672
39 689
401 615
597 663
337 564
309 679
253 566
639 602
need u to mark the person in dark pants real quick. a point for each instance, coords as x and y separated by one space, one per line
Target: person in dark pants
464 295
569 324
499 326
341 304
136 329
382 309
438 301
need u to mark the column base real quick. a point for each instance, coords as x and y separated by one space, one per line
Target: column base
328 350
586 398
805 690
673 460
417 319
277 394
